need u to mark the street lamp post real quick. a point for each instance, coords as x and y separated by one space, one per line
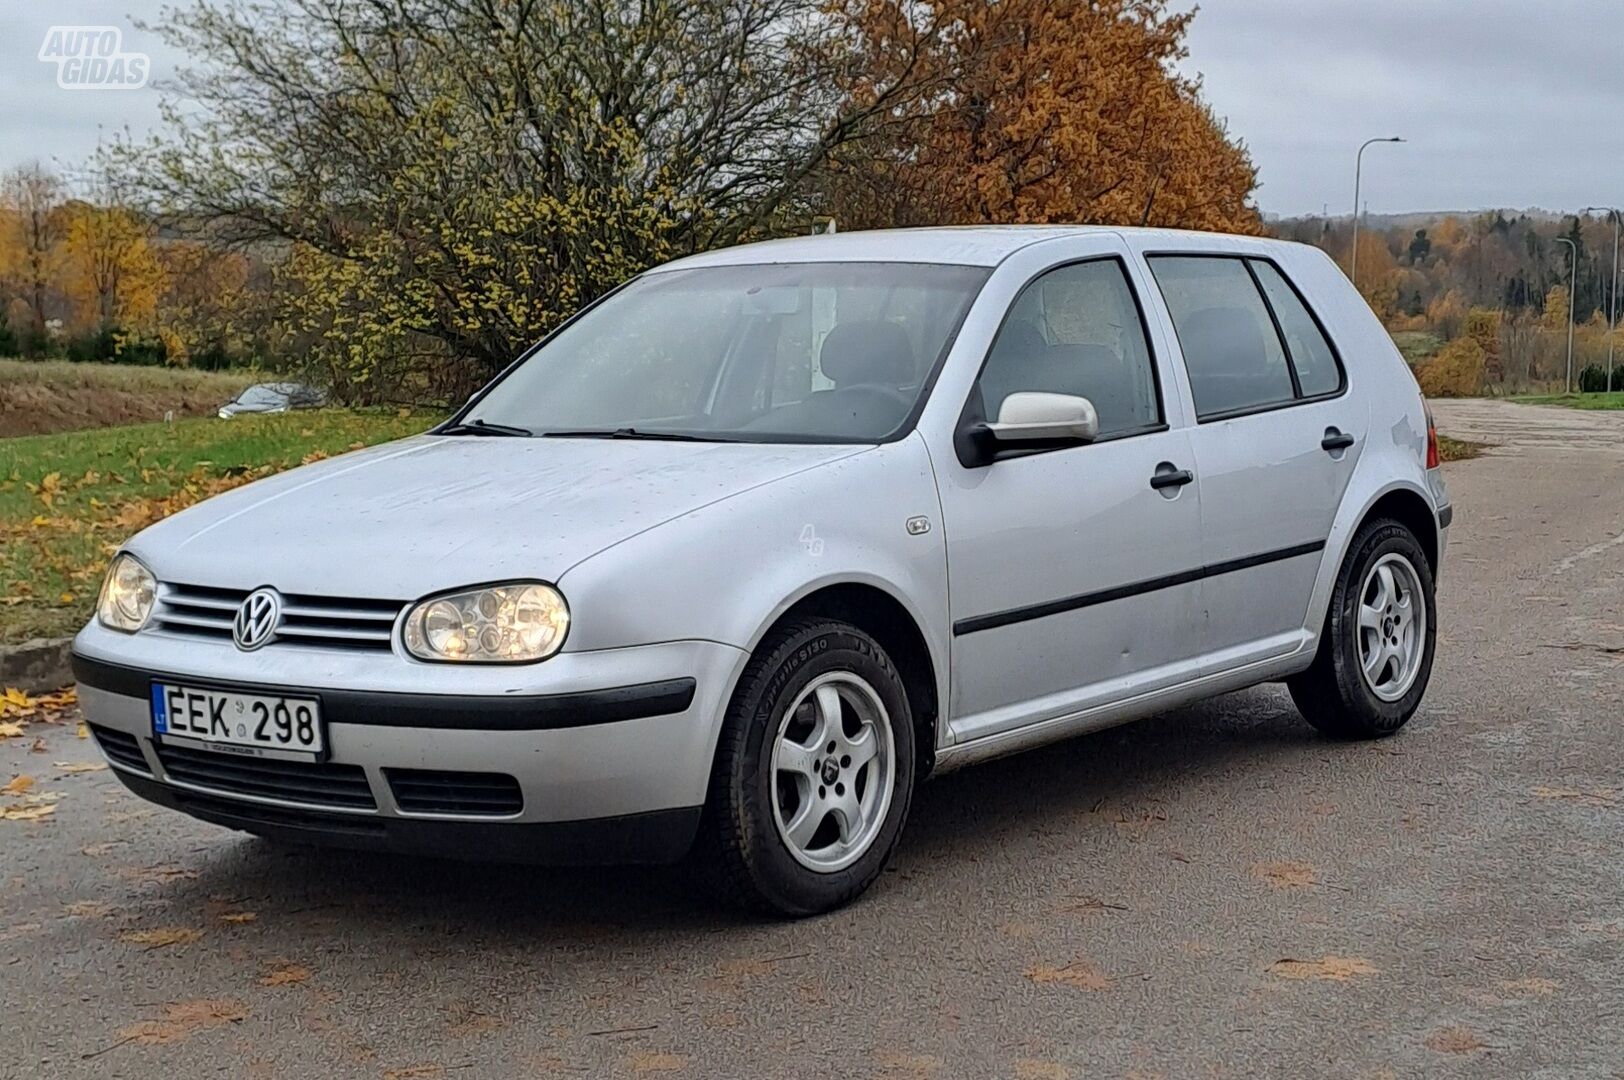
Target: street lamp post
1358 175
1573 285
1612 313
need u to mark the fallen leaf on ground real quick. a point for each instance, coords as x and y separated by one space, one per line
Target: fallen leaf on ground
750 965
1536 986
1033 1069
18 705
1136 821
155 875
79 766
1455 1040
1077 975
918 1065
465 1018
161 937
28 811
19 785
39 746
1332 968
415 1072
9 730
100 849
83 732
89 909
239 917
182 1019
283 973
1089 905
1285 875
650 1062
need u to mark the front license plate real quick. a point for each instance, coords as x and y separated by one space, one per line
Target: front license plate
252 725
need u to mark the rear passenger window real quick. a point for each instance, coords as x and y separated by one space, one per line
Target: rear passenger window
1249 341
1311 354
1230 346
1077 330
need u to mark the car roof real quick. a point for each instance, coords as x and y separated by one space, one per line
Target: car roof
966 245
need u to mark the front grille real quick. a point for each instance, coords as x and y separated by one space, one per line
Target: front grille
121 749
207 612
429 791
310 783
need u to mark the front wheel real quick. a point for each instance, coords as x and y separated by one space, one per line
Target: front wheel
1375 653
813 773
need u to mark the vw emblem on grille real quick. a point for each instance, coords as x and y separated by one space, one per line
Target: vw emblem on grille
257 619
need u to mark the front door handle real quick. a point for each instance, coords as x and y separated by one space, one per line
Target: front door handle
1335 440
1169 477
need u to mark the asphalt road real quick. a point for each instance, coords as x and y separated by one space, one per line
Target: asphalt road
1215 892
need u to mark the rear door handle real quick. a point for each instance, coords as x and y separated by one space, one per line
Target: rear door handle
1335 440
1171 477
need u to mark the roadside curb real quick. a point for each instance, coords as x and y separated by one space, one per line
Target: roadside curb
39 666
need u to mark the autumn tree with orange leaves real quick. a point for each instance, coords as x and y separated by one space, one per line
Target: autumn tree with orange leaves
1040 112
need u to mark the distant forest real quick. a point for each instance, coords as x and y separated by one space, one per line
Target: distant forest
1497 279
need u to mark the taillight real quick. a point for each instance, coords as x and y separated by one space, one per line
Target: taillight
1433 460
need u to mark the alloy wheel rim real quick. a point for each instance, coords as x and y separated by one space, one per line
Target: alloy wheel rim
833 769
1392 615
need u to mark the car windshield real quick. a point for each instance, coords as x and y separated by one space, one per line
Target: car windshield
787 352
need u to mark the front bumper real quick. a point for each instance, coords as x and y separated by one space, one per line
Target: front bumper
657 836
610 751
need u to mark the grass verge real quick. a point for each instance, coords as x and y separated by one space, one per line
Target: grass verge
39 397
1614 400
68 500
1458 449
1417 346
63 374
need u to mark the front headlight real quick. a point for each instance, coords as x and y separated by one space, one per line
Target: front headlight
498 624
126 595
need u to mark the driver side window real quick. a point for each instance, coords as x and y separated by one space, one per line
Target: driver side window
1077 330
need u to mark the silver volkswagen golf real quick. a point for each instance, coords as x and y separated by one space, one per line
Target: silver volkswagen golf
746 550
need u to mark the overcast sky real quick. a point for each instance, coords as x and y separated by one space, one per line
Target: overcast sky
1506 103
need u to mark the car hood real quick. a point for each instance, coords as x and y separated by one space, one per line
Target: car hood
432 513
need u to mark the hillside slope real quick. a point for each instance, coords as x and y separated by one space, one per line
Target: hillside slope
42 397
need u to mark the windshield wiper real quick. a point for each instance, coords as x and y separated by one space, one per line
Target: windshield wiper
626 433
480 427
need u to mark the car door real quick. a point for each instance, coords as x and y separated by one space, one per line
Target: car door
1071 570
1276 439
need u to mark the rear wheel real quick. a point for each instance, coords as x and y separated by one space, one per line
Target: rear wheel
1375 654
814 771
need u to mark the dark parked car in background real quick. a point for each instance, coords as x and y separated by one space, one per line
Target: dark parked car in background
273 398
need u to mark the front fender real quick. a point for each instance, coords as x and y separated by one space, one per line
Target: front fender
728 571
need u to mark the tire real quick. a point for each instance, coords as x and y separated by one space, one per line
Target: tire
1335 694
753 809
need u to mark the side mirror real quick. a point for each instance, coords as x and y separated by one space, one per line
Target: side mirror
1030 417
